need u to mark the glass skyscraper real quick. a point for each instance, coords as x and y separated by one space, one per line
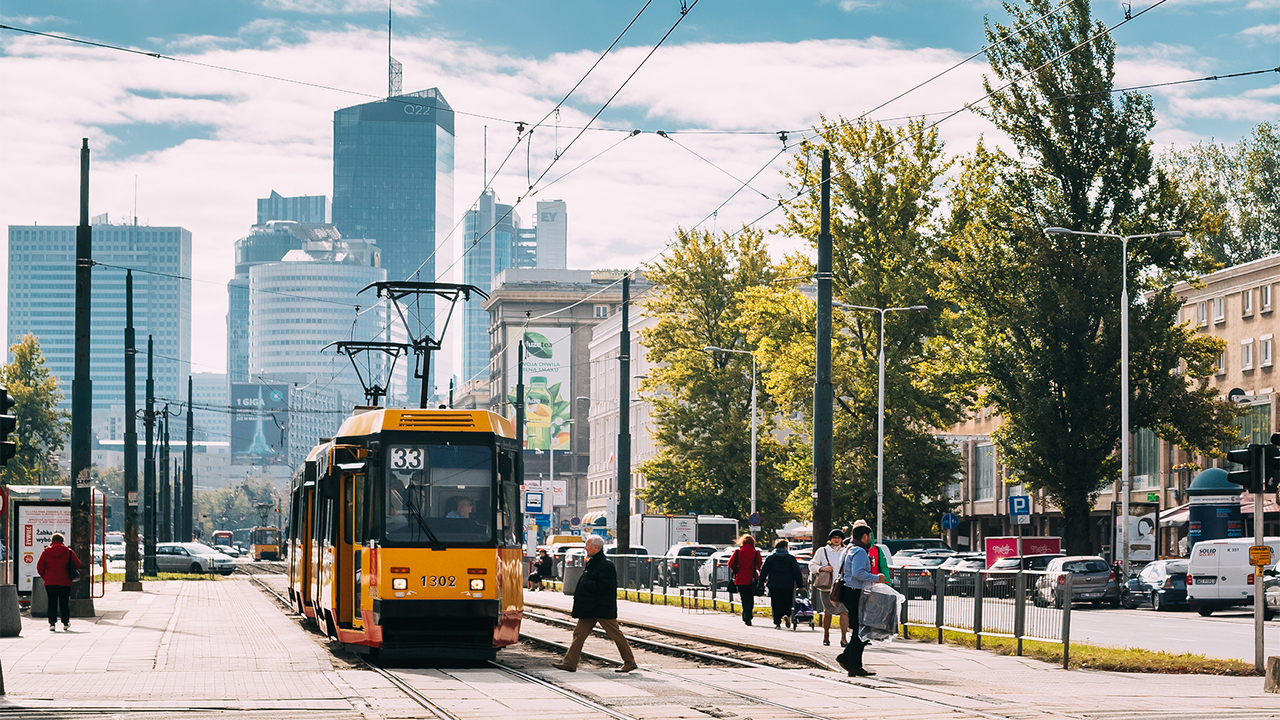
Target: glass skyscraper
393 182
491 240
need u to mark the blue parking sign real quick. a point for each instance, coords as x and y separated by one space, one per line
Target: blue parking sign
1019 505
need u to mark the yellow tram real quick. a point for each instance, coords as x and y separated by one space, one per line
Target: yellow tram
404 535
265 543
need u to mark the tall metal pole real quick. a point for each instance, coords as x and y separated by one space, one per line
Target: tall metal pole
822 390
188 476
623 512
130 445
165 533
520 417
880 440
753 433
1258 467
149 467
82 400
1124 408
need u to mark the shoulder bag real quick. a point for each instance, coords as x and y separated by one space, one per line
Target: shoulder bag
823 579
73 574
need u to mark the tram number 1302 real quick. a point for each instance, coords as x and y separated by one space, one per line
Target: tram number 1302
439 581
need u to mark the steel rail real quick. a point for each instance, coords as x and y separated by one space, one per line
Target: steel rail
562 691
413 693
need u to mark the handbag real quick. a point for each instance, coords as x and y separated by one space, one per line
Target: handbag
824 578
73 573
837 591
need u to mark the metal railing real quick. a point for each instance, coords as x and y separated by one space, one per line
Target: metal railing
1019 605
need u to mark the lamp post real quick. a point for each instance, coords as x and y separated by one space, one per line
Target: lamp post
712 348
1124 372
880 411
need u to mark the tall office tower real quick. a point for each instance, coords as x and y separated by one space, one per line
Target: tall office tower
393 182
303 209
212 406
553 234
490 240
306 300
267 242
42 269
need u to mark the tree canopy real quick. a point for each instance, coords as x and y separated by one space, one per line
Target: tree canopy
42 428
1043 339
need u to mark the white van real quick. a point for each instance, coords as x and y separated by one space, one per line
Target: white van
1220 576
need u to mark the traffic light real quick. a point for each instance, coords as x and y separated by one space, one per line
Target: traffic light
8 423
1251 458
1271 477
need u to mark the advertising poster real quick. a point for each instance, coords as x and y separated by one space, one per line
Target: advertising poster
261 412
36 524
1143 520
1003 547
546 393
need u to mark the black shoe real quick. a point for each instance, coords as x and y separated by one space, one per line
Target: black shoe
826 642
861 672
841 661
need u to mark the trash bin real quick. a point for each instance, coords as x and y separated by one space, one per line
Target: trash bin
572 572
39 598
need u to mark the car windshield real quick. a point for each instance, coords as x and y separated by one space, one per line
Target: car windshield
1176 568
198 549
439 493
697 551
932 560
1084 566
1006 564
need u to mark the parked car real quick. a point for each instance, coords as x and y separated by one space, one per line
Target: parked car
1003 579
1219 575
964 574
1092 580
192 557
1161 584
633 550
557 552
684 560
920 581
718 560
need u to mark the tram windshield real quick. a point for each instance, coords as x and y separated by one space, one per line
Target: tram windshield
439 493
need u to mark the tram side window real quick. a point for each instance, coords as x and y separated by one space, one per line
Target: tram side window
439 492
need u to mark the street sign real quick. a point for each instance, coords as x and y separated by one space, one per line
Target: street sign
1019 505
754 519
533 502
1259 555
1153 497
950 521
564 524
542 519
575 521
1021 519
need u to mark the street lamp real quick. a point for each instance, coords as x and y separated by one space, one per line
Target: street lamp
712 348
1124 370
880 411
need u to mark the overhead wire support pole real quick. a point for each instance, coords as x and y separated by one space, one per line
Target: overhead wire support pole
149 468
822 389
623 512
131 583
188 472
82 399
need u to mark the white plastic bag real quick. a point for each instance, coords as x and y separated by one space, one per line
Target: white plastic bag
878 613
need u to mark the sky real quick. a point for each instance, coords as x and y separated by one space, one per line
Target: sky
242 104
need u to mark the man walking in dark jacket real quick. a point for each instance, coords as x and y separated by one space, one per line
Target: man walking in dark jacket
595 600
781 574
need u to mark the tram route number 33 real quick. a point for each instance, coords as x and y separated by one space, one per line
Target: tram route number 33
439 581
407 458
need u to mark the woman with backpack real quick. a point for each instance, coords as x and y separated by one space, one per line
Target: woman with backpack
56 566
744 569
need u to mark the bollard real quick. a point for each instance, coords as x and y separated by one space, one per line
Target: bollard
39 598
977 610
1066 625
10 617
939 594
1020 608
1272 684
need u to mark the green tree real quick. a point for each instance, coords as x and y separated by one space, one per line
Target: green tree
1044 336
235 507
702 401
42 427
1234 192
886 190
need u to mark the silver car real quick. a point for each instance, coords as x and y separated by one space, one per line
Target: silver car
192 558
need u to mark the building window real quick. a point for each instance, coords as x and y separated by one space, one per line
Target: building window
1146 460
986 486
602 311
1202 314
1219 310
1222 364
1246 354
1265 292
1264 351
1246 303
1255 425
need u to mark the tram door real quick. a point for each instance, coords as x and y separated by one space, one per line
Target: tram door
306 496
358 524
345 552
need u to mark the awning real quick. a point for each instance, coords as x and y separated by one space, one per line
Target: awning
1175 517
1268 505
590 517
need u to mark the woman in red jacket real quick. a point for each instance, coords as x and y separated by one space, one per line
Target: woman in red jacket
744 568
53 569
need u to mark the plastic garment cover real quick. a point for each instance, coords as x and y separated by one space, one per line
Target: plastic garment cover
878 613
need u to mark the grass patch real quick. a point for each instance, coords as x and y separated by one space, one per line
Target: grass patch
1095 657
119 577
762 607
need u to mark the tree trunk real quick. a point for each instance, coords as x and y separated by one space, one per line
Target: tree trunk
1076 527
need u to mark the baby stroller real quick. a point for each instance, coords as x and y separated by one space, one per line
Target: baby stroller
801 610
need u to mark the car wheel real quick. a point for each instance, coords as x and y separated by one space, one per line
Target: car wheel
1204 611
1126 599
1268 614
195 569
1157 603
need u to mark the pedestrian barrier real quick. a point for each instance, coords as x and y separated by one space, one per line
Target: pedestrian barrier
1020 605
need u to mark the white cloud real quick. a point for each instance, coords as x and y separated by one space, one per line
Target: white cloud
345 7
1266 32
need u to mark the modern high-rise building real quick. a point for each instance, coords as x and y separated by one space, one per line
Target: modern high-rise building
42 302
303 208
212 406
393 182
306 300
553 234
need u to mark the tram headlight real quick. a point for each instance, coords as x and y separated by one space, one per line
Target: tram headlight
477 584
399 583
